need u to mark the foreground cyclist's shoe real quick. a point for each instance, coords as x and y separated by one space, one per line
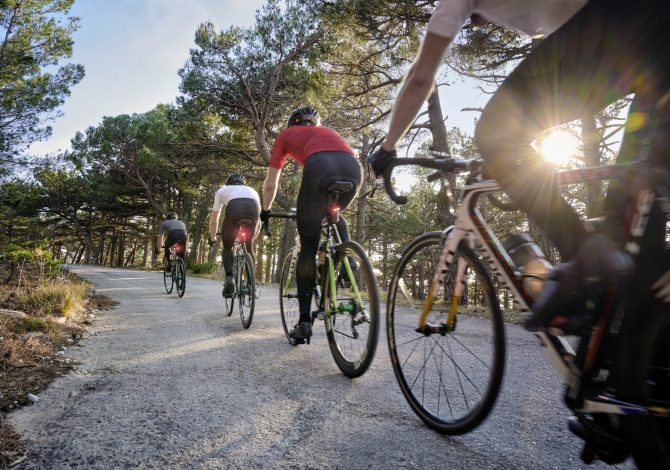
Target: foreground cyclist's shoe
228 287
302 331
598 263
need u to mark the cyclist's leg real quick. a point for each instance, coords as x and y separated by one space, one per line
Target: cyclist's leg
594 59
228 234
321 170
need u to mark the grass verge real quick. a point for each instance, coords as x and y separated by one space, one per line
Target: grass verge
37 320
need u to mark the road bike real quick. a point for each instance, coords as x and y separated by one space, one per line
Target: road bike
243 275
345 292
446 334
174 270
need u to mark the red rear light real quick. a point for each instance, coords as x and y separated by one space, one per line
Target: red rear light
179 248
243 234
335 210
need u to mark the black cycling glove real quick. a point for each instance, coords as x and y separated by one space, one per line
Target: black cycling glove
265 215
379 159
211 242
157 252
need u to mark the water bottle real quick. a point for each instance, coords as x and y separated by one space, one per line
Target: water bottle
530 261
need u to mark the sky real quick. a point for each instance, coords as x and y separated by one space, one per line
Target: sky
132 50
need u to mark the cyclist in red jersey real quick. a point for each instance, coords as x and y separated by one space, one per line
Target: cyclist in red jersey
326 157
595 52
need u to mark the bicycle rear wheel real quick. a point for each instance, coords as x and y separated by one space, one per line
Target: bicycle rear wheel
180 276
451 376
168 281
352 320
247 290
288 297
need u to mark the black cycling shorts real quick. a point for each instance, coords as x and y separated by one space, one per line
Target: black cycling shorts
236 210
321 170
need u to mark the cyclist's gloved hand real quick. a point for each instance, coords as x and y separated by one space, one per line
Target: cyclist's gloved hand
157 252
379 159
265 215
210 242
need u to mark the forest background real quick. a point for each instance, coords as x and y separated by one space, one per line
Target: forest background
100 200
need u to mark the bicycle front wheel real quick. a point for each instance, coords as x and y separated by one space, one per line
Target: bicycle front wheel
180 276
247 290
352 318
288 297
450 373
168 281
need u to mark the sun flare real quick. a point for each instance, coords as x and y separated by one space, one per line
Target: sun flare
558 146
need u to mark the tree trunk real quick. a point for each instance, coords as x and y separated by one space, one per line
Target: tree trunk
591 138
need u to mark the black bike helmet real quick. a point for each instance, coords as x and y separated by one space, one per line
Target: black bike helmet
172 216
236 178
304 115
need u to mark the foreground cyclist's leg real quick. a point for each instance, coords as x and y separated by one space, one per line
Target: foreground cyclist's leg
305 277
568 75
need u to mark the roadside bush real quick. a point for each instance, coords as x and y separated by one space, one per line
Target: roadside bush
55 299
203 268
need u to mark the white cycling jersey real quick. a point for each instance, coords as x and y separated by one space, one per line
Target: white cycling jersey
227 193
533 17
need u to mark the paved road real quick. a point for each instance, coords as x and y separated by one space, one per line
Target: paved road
171 383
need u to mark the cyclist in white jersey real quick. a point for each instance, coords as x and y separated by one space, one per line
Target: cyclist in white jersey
594 53
240 202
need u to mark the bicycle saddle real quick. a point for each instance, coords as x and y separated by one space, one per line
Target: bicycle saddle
340 187
246 222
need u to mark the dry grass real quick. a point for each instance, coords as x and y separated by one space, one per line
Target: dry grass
36 320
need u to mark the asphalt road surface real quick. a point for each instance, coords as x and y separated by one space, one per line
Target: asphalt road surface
164 382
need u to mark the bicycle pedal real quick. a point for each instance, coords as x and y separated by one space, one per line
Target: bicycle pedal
318 315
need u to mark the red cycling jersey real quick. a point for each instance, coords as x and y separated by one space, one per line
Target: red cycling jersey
299 142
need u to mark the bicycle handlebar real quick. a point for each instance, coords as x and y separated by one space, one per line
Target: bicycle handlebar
280 215
444 167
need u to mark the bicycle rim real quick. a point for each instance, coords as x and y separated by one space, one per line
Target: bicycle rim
247 291
288 297
168 281
352 321
180 280
450 380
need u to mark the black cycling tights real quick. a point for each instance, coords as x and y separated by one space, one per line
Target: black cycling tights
609 49
321 170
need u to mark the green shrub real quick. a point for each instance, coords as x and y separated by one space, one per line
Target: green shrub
203 268
55 299
35 324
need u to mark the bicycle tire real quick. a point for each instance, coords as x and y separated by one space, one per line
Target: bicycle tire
642 377
288 297
247 290
168 279
352 352
180 277
466 340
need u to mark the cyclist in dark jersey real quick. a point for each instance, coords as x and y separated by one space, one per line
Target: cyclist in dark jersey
174 231
326 157
596 52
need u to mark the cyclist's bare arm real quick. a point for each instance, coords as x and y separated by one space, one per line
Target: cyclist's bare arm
416 87
270 187
159 241
213 224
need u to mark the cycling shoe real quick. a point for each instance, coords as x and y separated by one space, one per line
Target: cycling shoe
228 287
301 332
598 264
